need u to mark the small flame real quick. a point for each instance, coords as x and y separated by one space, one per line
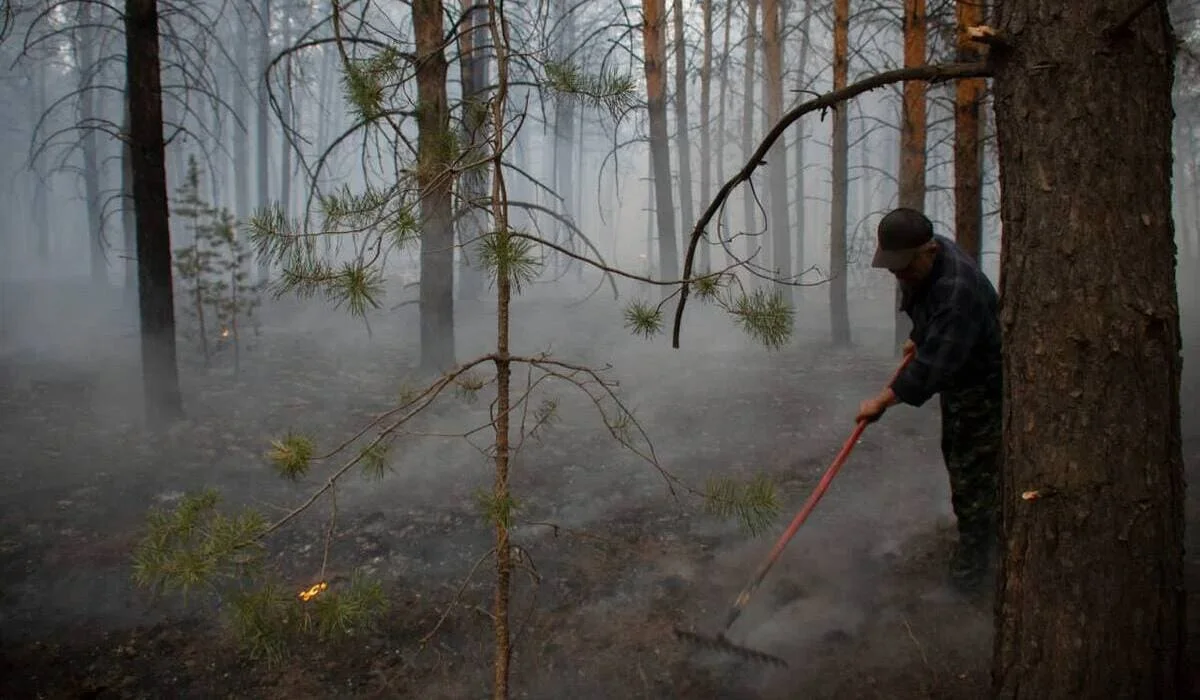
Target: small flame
224 332
313 591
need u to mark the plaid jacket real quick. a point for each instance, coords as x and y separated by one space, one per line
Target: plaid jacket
956 328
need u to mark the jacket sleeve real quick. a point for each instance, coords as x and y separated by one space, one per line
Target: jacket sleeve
953 332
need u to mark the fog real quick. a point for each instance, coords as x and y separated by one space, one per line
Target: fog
615 558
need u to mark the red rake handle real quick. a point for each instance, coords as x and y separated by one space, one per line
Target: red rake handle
744 597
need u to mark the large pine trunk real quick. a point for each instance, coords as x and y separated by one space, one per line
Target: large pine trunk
436 150
1091 599
913 134
780 228
160 374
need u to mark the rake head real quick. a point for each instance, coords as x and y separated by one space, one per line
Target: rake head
722 643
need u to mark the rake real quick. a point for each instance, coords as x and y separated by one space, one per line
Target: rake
721 642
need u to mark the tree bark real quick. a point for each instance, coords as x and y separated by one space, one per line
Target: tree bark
912 136
85 67
683 143
722 105
798 148
660 153
1091 601
156 299
777 183
435 151
473 183
839 311
749 204
262 164
968 153
706 159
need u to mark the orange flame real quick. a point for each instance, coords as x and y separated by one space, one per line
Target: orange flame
313 591
224 332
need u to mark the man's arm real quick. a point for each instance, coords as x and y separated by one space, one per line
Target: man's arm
952 335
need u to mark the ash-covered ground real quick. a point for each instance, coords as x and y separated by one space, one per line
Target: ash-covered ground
856 605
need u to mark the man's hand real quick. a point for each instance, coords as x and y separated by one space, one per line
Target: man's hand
871 409
909 347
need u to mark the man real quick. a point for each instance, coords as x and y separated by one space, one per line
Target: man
956 339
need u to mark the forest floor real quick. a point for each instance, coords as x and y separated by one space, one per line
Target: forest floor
857 605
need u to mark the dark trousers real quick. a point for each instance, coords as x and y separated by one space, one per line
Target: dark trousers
971 441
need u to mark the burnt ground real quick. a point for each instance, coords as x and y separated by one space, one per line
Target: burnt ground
856 604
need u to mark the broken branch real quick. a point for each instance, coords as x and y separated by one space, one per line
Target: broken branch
930 74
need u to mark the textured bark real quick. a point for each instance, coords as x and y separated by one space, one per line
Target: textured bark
968 153
802 83
160 374
780 228
435 149
85 56
749 204
683 142
706 160
722 105
660 154
1091 602
839 313
912 135
473 183
262 164
563 153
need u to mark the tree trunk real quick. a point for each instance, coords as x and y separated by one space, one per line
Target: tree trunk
912 136
473 183
128 218
156 299
839 312
1091 603
706 159
85 67
435 153
563 163
798 149
288 113
722 104
241 125
41 200
261 166
777 183
968 153
660 152
683 143
749 204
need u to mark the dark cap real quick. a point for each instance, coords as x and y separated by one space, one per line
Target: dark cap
901 234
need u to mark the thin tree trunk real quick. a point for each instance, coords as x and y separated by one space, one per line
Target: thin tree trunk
706 160
160 374
85 52
683 143
128 217
839 311
41 200
798 148
262 164
563 163
435 151
473 183
780 229
287 109
749 204
241 125
912 136
722 104
1091 601
968 152
660 153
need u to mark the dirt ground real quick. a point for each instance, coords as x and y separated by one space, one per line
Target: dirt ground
856 606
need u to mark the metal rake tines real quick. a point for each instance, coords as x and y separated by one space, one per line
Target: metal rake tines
722 643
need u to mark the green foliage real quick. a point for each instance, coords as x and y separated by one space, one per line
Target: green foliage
214 289
195 545
609 90
497 511
754 504
765 316
643 318
374 460
292 456
509 257
366 81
